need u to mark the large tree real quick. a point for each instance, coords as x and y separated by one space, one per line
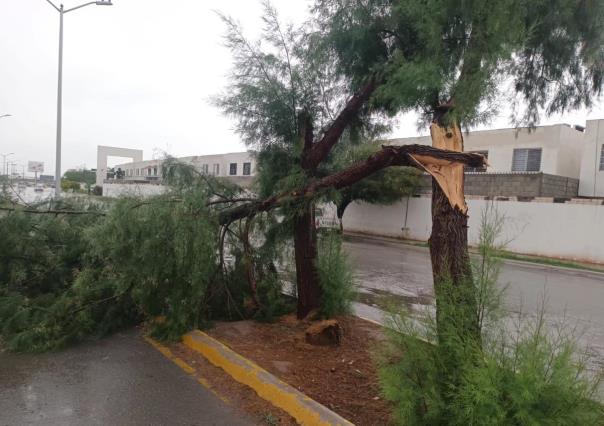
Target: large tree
446 59
453 62
292 108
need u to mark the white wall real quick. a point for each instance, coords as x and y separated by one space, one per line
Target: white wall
592 178
569 231
102 152
132 189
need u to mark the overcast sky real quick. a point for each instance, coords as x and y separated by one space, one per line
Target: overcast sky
137 75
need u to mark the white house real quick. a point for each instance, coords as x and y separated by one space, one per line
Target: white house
555 149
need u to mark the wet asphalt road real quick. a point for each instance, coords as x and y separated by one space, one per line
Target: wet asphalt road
386 268
119 380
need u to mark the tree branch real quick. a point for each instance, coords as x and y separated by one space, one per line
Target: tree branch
386 157
72 212
322 148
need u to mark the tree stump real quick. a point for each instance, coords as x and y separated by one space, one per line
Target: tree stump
324 333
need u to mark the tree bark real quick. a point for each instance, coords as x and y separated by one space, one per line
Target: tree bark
458 329
341 208
250 264
305 248
305 234
456 304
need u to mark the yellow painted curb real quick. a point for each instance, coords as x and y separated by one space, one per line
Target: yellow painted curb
302 408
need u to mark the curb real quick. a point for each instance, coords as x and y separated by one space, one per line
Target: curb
302 408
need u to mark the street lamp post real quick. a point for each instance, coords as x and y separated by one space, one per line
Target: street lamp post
60 85
4 161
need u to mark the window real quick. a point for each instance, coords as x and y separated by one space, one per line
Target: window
602 158
247 169
204 169
137 172
216 169
481 169
233 169
526 160
154 171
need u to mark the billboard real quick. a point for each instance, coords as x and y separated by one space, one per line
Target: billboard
35 166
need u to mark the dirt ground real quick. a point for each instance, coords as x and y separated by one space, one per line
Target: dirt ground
343 378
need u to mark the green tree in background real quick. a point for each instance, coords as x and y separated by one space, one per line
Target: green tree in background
83 175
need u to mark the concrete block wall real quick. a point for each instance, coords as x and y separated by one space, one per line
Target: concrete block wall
513 185
561 230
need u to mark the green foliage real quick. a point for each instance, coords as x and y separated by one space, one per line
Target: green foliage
548 53
335 276
69 185
81 175
41 292
67 276
529 374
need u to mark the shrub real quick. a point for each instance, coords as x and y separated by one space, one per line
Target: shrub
335 276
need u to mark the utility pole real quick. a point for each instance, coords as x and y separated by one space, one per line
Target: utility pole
60 86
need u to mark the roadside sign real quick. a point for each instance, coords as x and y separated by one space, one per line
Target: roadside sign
35 166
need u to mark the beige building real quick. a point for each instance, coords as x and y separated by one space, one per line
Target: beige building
232 164
555 150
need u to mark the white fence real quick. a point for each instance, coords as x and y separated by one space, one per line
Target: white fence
562 230
132 189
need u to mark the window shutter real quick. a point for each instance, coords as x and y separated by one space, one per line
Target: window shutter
526 160
533 163
519 160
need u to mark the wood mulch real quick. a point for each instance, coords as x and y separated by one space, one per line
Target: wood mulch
343 378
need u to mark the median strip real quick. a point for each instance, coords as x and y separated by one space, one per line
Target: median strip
304 409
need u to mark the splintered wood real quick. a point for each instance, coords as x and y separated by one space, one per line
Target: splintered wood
448 174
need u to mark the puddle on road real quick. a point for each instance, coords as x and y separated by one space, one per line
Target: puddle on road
380 298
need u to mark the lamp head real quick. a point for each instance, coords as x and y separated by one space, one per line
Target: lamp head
104 3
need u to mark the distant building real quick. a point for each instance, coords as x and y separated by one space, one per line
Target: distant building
556 161
238 167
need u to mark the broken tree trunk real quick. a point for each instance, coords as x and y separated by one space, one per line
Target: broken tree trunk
451 268
457 325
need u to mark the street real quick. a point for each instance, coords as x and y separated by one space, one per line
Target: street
119 380
386 268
